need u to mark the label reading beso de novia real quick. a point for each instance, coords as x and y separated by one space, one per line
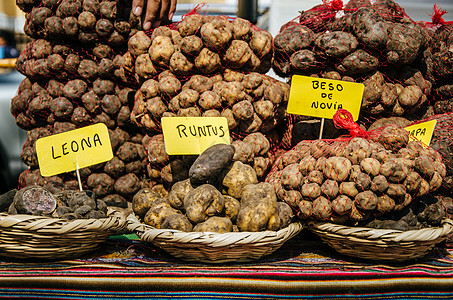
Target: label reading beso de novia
193 135
75 149
318 97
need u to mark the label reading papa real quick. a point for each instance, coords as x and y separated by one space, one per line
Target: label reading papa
422 131
193 135
79 148
318 97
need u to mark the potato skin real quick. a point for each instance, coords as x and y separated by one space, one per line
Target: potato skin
203 202
215 224
210 163
259 209
142 201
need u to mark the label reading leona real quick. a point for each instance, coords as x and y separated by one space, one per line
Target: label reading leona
193 135
422 131
75 149
318 97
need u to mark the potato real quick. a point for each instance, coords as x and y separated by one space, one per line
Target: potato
236 176
144 67
180 65
342 205
379 184
215 34
362 181
169 86
311 191
370 166
395 170
139 43
156 107
243 151
177 222
210 163
385 204
127 185
88 69
285 213
322 208
159 211
237 54
337 168
261 43
259 209
203 202
207 61
190 24
191 45
199 83
232 207
264 109
330 189
101 184
315 176
291 178
142 201
243 110
366 201
187 98
209 100
215 224
161 50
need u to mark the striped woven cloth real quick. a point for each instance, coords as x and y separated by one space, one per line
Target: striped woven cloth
303 268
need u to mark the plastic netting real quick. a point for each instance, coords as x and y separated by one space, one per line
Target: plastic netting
370 42
82 103
86 22
198 44
357 177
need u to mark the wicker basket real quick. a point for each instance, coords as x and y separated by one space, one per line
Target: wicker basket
209 247
381 244
27 236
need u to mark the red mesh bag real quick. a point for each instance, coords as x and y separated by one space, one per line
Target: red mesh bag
441 62
351 179
198 44
250 102
370 42
87 22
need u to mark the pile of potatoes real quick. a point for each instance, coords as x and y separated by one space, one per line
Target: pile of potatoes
220 195
440 60
45 102
369 42
115 181
250 102
48 59
199 44
38 201
423 212
352 180
254 150
80 21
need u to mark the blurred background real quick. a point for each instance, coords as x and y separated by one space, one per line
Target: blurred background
266 14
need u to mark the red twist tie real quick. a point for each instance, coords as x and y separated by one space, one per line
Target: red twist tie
436 18
343 119
334 4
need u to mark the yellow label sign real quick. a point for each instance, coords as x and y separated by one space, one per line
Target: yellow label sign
422 132
318 97
75 149
193 135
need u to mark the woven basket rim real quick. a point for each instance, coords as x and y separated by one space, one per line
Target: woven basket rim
387 235
212 239
114 221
